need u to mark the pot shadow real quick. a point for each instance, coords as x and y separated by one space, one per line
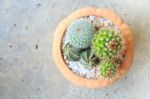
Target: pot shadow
141 51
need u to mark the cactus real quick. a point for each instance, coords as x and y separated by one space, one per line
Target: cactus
80 33
88 59
108 69
71 53
107 44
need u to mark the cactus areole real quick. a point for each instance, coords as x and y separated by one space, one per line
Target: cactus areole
93 47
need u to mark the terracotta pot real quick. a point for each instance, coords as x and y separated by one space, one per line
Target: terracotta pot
59 34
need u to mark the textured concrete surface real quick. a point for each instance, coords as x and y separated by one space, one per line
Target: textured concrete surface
27 69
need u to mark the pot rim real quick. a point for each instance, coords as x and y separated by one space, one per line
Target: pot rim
57 44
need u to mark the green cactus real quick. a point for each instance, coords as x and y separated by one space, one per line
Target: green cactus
108 69
88 59
80 33
107 44
71 53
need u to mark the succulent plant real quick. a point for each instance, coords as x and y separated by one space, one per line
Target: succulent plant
108 69
71 53
107 44
88 59
80 33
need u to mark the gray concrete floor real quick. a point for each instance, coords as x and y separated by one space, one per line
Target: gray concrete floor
27 69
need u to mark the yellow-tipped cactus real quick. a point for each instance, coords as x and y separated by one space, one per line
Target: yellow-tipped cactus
107 44
108 69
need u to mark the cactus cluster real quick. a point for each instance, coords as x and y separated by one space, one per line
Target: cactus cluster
80 33
85 57
107 44
104 48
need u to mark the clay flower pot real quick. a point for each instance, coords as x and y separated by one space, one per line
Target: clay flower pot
57 52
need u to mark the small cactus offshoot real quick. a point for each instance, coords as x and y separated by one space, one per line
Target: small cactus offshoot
107 44
88 59
80 33
108 69
71 53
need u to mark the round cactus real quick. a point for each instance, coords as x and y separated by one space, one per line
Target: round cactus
108 69
80 33
107 44
71 53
